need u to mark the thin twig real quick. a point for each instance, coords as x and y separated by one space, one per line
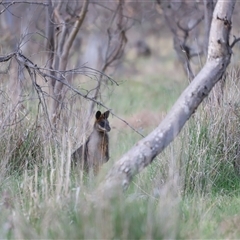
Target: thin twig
192 27
28 2
234 41
6 58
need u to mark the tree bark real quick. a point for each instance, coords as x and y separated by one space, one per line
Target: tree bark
143 153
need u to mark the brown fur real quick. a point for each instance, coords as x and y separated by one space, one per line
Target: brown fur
95 151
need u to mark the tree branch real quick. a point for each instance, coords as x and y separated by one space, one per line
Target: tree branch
6 58
76 27
58 88
234 41
143 152
10 3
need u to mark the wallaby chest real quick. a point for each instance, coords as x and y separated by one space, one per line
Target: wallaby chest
97 147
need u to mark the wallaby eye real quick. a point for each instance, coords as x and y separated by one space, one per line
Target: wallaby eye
102 124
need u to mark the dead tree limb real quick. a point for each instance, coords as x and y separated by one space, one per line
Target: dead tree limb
181 31
144 151
234 41
58 87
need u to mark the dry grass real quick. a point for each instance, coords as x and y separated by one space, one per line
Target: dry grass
190 191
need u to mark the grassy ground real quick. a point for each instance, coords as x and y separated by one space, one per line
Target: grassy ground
190 191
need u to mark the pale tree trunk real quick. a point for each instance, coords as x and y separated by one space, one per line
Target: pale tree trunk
217 92
208 13
61 47
143 153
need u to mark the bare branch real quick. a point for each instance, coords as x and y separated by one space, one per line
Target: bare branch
118 51
58 88
234 41
113 10
10 3
187 30
27 2
76 27
182 50
6 58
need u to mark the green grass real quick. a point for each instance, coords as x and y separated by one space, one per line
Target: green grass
134 96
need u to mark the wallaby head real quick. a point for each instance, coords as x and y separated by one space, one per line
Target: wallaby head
101 122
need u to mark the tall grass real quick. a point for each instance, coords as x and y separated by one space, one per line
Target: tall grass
190 191
210 162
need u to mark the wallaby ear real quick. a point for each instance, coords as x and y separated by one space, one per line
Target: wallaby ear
98 114
106 114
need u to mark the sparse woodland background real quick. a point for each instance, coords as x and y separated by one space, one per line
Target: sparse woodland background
60 61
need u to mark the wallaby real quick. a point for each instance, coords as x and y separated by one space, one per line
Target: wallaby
95 151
